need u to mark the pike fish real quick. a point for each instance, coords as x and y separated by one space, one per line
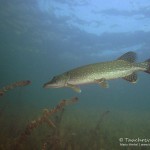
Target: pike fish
124 67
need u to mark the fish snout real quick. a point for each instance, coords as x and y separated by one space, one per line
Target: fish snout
45 85
50 85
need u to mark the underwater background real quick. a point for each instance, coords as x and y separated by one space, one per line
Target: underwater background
40 39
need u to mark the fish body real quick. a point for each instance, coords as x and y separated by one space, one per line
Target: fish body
108 70
124 67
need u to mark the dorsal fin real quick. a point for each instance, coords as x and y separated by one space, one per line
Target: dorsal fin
129 56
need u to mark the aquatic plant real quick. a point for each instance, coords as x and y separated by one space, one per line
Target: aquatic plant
2 110
101 119
75 130
53 141
44 119
14 85
95 135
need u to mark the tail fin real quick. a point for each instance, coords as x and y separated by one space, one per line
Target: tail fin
148 66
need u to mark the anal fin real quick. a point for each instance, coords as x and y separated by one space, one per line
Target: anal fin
131 78
74 87
102 82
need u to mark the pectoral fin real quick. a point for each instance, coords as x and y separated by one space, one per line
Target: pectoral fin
102 82
74 87
131 78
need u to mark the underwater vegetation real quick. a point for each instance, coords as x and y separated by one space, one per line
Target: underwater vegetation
57 138
61 128
44 119
14 85
18 142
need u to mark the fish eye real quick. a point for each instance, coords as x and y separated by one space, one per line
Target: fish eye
54 77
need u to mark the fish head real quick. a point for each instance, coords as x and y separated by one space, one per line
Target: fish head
56 82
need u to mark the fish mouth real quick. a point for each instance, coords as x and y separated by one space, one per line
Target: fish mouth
50 85
45 85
